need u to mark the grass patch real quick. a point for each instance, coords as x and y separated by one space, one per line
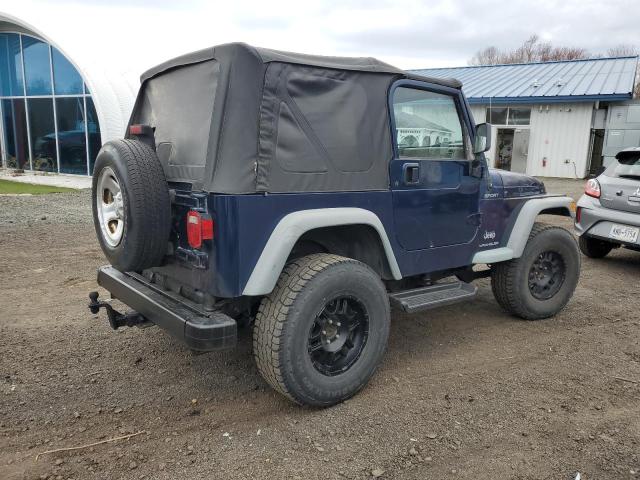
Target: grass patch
9 187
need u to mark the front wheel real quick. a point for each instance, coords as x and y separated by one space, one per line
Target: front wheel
541 282
320 335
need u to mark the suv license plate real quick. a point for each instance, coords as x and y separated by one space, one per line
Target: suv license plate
624 233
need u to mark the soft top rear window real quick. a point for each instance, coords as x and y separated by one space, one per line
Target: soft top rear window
627 167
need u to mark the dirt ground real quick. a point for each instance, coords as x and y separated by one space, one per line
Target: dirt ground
464 392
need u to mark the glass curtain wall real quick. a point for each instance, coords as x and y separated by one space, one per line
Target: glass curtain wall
48 121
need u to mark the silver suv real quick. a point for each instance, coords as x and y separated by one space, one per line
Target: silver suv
608 214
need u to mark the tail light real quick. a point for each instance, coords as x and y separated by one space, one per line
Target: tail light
578 214
137 129
592 188
199 228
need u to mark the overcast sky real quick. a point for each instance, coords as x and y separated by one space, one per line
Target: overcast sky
406 33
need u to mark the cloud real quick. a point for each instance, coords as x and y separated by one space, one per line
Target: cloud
445 33
406 33
124 4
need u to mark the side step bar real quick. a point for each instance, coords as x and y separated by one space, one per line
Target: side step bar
433 296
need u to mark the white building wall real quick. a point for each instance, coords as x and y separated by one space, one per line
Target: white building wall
560 133
479 113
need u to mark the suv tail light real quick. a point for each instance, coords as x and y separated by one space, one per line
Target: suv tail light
137 129
199 228
592 188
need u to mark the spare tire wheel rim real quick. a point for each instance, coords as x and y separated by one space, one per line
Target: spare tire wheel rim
110 207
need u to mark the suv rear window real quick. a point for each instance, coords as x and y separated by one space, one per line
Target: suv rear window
625 168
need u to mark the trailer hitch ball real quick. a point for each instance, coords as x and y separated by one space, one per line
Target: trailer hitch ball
94 305
116 319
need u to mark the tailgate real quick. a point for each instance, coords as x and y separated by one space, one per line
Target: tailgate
620 193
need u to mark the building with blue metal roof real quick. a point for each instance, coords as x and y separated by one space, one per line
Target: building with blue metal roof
550 117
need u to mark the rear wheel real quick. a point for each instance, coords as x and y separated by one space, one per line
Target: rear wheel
539 283
594 248
322 332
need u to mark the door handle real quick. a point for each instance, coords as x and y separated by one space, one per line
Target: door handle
411 173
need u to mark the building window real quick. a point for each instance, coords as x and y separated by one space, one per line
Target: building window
38 86
508 116
519 116
428 125
37 69
72 139
14 122
67 79
43 137
11 82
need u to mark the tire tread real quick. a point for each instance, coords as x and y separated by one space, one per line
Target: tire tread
272 314
149 204
504 280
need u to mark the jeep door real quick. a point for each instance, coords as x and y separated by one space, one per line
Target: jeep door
435 194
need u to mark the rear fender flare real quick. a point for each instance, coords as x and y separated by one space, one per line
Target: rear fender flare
291 227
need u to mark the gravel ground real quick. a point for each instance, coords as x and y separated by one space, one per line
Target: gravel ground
464 391
60 210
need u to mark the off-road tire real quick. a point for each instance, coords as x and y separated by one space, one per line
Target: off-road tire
147 207
286 316
510 280
594 248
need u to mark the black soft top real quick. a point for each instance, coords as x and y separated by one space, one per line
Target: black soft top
267 55
239 119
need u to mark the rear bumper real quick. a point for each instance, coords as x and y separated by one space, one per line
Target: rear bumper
199 330
596 221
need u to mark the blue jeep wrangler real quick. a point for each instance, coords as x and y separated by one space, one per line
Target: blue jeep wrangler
303 195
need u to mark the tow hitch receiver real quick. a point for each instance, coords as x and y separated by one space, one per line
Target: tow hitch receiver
117 319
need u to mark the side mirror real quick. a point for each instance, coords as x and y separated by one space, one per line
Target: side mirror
482 142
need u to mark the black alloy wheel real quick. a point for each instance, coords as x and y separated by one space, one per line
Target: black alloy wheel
546 275
321 334
338 335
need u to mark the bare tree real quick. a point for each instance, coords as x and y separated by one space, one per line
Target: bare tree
531 50
622 50
487 56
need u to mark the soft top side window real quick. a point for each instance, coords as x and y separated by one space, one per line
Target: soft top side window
428 125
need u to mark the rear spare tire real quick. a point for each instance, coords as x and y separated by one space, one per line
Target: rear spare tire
131 206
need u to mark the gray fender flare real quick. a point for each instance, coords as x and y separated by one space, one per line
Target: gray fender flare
284 236
522 228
